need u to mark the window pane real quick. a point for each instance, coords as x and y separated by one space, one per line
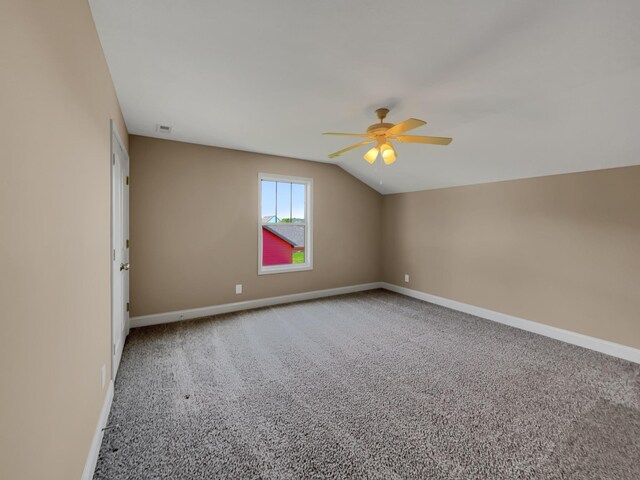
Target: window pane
283 244
268 201
284 201
297 202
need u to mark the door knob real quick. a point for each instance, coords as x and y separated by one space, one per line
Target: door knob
124 266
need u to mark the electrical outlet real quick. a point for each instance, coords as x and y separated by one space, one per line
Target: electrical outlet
238 289
406 278
103 376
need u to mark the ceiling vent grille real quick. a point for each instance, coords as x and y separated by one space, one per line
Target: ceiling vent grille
163 128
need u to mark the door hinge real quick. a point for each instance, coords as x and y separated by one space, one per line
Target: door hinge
113 159
127 180
114 255
114 349
127 243
127 306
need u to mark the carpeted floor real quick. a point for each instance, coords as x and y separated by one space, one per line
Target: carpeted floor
370 385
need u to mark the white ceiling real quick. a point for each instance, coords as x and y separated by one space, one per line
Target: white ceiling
525 88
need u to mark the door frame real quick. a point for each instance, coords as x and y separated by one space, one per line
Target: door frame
114 138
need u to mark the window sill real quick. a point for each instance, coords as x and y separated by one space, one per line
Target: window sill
284 269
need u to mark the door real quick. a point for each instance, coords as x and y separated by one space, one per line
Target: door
120 249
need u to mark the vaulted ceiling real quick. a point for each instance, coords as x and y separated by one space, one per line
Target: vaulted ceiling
525 88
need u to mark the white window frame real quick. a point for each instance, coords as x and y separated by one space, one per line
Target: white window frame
308 217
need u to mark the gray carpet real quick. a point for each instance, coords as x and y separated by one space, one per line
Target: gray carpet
370 385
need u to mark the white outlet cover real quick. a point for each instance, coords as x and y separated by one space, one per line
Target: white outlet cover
238 289
406 278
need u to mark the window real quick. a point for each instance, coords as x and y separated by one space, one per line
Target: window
284 224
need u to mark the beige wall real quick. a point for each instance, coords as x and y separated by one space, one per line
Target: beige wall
194 227
562 250
56 99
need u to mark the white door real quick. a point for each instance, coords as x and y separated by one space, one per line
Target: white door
120 249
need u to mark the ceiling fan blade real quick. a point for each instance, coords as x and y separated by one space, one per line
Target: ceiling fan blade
340 152
422 139
347 134
405 126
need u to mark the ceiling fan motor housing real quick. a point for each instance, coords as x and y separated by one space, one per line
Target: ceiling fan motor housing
379 128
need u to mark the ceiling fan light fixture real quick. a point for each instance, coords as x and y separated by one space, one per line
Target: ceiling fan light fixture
371 155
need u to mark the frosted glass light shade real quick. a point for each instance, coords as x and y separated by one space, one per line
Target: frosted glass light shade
371 155
388 154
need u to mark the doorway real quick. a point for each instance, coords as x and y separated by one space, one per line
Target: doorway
119 248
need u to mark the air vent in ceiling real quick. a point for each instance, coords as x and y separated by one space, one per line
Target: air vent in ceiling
163 128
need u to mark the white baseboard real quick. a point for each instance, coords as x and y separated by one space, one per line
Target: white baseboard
92 458
599 345
603 346
168 317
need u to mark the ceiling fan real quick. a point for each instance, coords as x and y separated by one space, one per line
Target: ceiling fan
382 133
